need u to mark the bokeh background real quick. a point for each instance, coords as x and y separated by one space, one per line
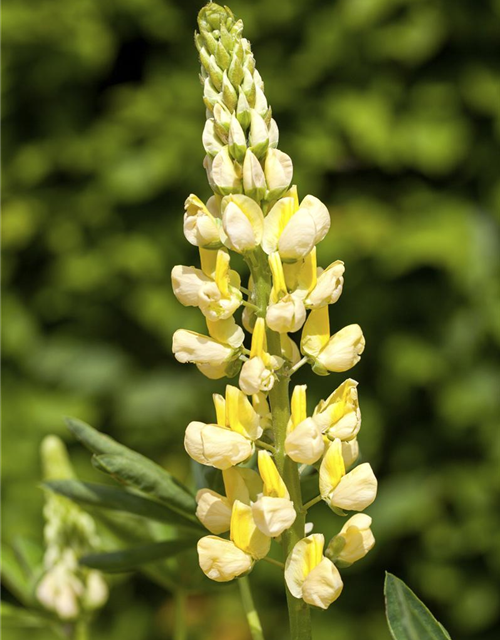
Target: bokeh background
390 110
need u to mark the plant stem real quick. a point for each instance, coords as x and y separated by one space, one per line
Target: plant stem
277 563
297 366
312 502
251 612
180 627
265 445
298 610
81 630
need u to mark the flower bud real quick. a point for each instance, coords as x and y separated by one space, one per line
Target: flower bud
225 175
254 181
278 169
259 134
201 227
273 134
353 542
215 73
243 222
228 93
243 111
211 141
237 140
210 94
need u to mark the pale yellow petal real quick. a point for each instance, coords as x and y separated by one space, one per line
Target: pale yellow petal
245 534
221 560
331 470
323 585
273 483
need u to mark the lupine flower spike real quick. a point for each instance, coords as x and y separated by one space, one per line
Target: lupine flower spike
255 211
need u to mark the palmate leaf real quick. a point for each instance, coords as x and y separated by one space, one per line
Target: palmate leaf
134 557
153 478
101 496
407 616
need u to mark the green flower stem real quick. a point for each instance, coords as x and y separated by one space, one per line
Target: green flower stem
265 445
276 563
298 610
180 626
312 502
250 611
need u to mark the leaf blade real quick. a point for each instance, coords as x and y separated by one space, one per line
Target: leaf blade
102 496
407 617
132 558
172 491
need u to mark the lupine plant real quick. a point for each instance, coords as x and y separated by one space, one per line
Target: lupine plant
256 212
264 442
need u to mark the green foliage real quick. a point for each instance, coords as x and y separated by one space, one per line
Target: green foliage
407 616
390 111
135 557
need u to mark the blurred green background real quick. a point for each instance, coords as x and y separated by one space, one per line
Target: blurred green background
390 110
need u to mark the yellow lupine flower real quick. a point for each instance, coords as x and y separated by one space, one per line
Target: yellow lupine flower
353 491
311 576
215 355
217 297
294 231
230 441
339 352
339 416
304 441
286 312
257 373
202 223
353 542
273 512
223 560
243 222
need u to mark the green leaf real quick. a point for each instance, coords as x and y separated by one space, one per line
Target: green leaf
129 559
153 478
14 576
18 617
149 478
407 616
104 497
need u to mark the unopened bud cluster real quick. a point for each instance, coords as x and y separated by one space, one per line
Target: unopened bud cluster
256 212
67 588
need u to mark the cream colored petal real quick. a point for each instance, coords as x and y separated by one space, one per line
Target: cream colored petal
323 585
278 169
305 443
213 511
227 332
238 229
274 223
193 442
344 349
358 539
297 239
286 316
255 377
221 560
273 515
245 534
319 213
339 414
350 452
328 287
187 283
224 174
289 349
214 372
356 490
189 346
332 469
224 448
304 557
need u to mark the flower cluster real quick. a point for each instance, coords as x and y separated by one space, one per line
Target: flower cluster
256 212
66 587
